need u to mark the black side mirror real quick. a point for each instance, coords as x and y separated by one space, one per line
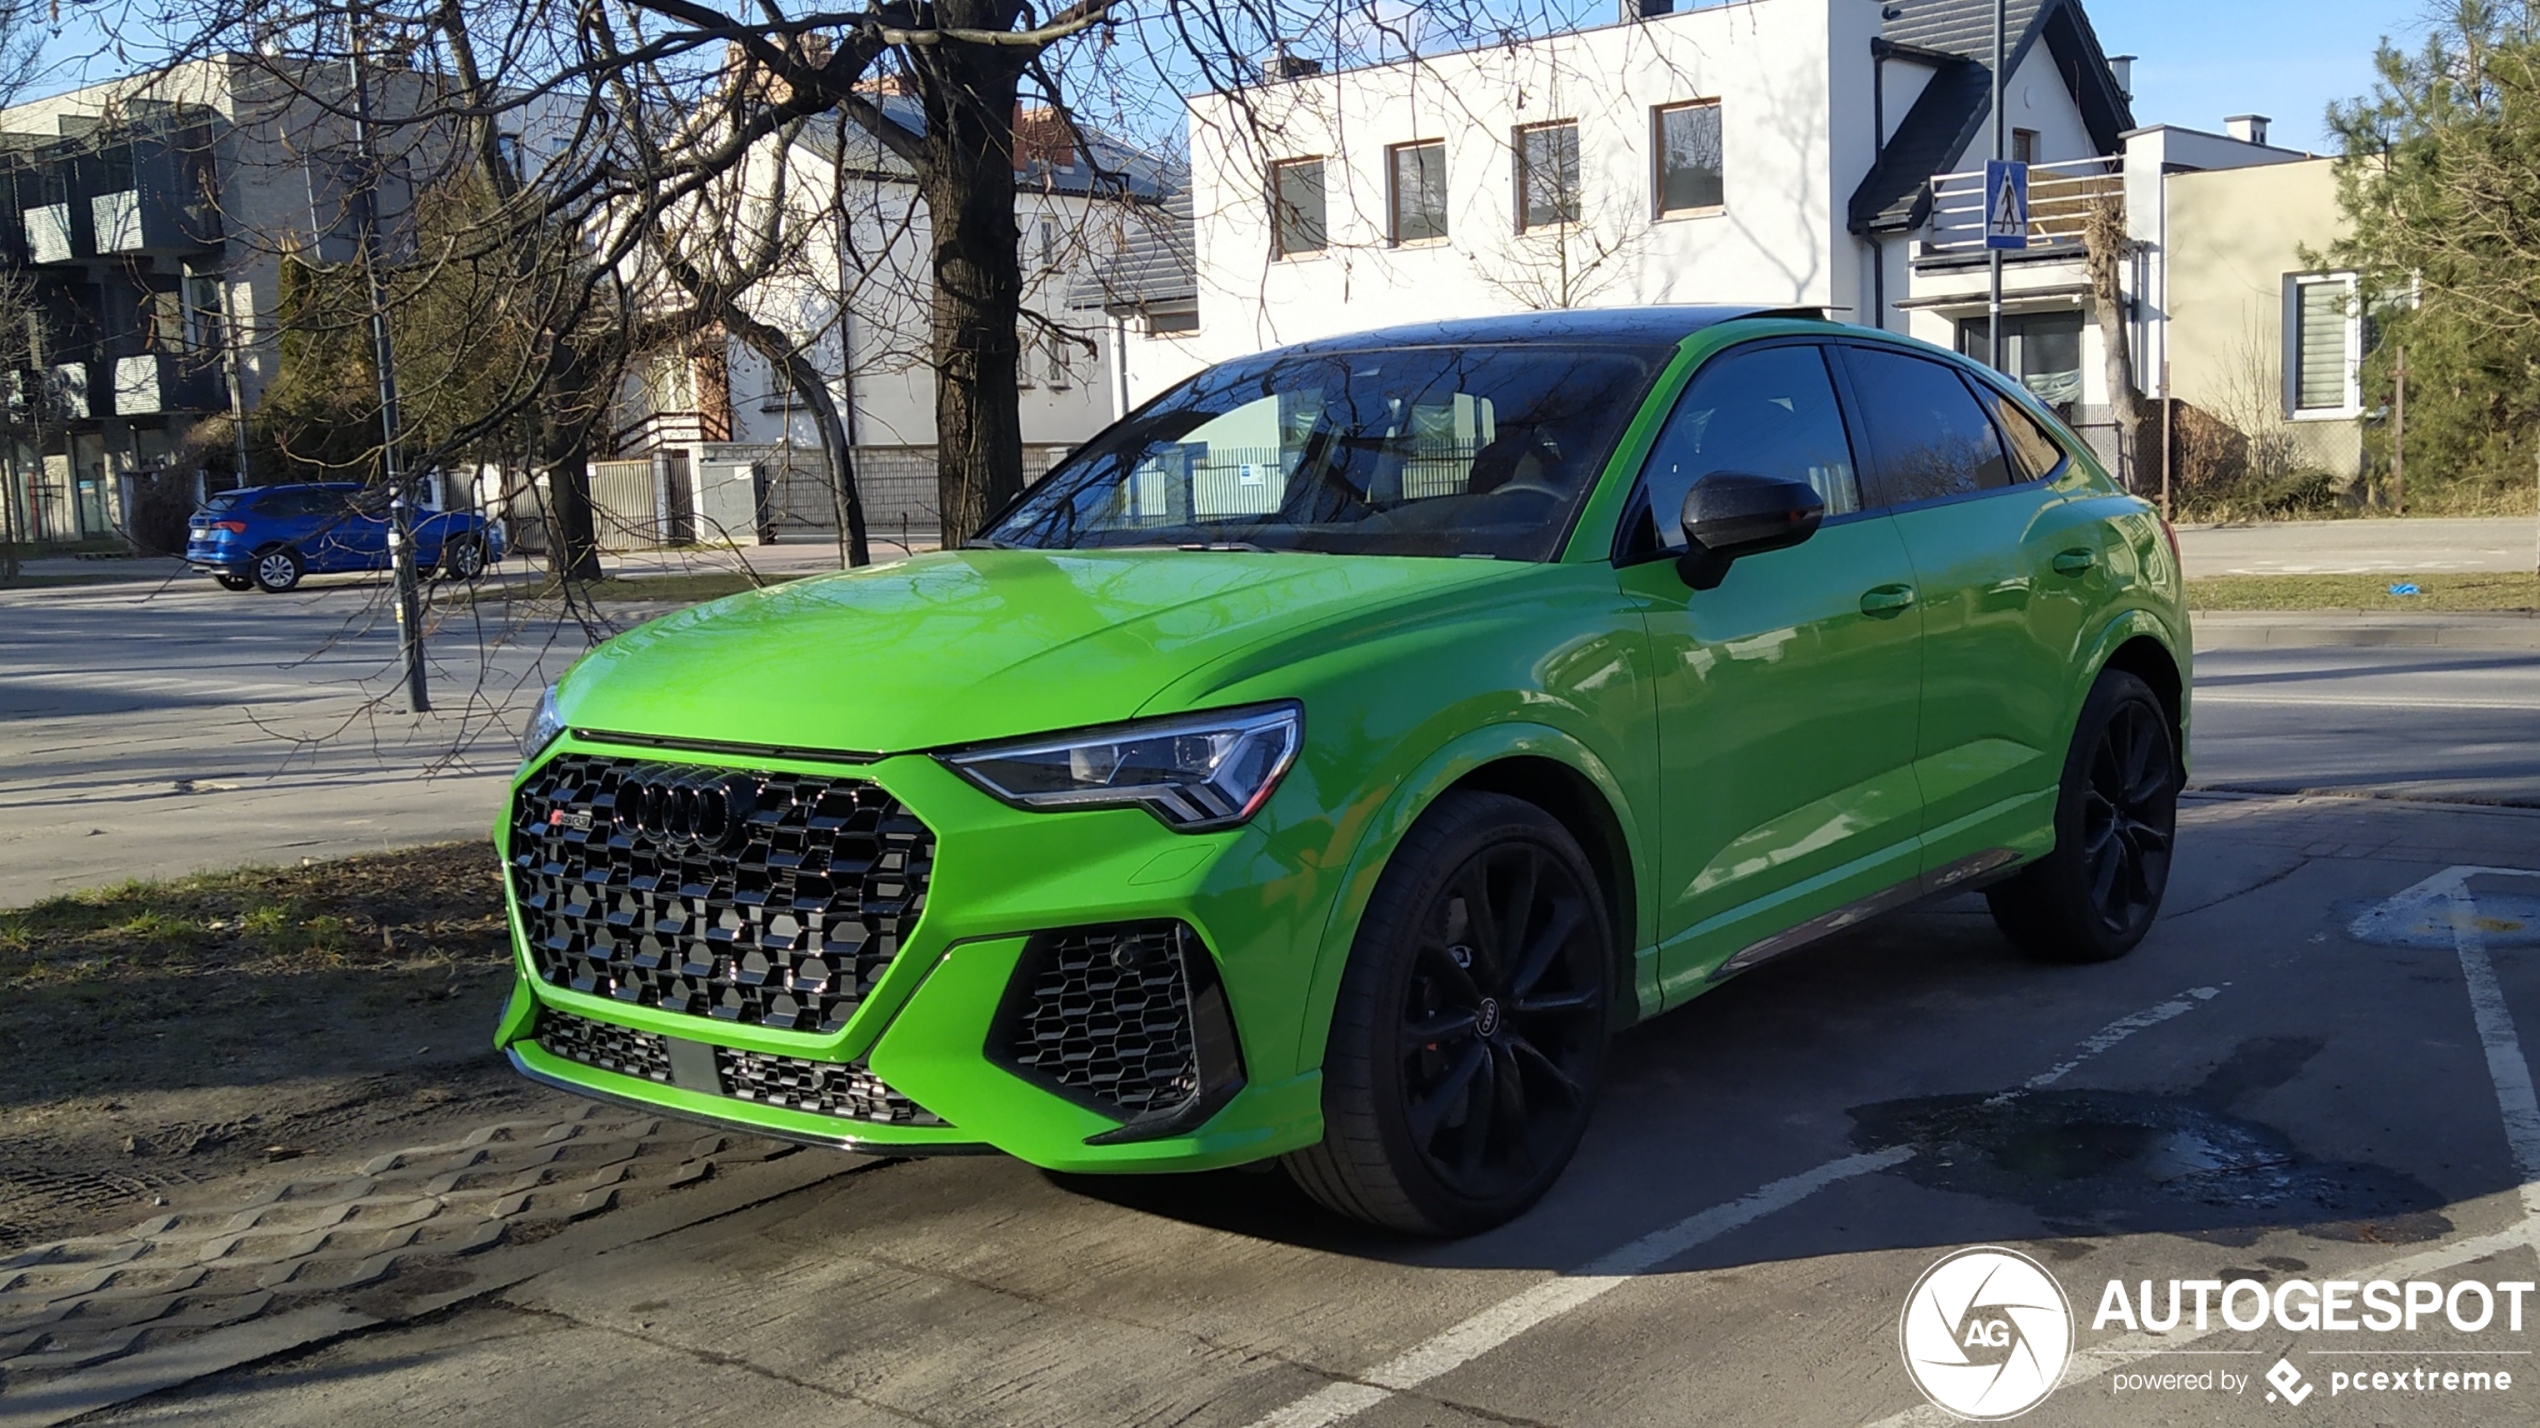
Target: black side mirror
1729 514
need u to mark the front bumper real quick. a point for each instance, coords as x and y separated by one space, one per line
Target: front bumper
936 1019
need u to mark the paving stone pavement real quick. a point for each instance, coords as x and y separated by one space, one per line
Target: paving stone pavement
412 1217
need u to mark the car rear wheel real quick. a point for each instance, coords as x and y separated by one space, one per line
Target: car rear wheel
2116 820
228 581
463 559
1470 1028
278 569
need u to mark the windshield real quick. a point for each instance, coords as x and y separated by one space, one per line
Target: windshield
1436 451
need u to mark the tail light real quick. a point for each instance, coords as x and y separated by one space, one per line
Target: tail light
240 528
2170 533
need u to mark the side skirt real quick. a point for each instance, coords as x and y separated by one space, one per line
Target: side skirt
1965 874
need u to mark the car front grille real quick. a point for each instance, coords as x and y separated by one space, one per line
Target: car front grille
828 1088
782 912
621 1049
1128 1019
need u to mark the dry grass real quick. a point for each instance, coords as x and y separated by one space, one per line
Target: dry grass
2437 593
152 947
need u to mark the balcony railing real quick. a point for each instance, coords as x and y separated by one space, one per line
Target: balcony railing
2060 200
51 236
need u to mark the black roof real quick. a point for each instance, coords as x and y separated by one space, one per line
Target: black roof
1950 114
1639 326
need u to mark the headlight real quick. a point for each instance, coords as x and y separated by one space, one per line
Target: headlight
545 728
1195 772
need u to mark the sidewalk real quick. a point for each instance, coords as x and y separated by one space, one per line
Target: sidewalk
2386 546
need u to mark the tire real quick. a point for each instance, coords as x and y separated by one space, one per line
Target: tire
278 569
462 559
1521 1029
2116 824
227 581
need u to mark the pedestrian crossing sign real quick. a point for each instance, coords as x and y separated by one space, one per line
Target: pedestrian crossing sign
2005 204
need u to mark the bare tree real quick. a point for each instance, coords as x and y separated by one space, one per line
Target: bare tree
2111 251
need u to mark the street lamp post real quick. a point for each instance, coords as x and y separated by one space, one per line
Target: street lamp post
1993 305
401 526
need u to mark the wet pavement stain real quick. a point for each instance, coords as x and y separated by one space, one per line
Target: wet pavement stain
2120 1162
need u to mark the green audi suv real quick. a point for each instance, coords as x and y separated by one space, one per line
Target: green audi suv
1327 761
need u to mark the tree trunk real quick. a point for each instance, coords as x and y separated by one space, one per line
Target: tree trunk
967 182
2109 249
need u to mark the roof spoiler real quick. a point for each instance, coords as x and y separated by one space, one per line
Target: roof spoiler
1796 314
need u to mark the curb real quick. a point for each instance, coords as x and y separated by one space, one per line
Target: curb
2267 629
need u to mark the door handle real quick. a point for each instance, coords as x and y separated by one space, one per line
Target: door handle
1887 601
2075 563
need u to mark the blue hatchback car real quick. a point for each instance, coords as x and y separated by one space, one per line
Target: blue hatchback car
268 537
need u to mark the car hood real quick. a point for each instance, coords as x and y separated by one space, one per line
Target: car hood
976 644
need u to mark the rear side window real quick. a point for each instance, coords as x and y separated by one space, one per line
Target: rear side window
225 501
2034 452
1928 436
1765 412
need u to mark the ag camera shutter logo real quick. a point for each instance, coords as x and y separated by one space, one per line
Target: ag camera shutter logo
1986 1333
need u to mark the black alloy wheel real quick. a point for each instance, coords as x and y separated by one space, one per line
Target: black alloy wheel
1466 1050
2116 826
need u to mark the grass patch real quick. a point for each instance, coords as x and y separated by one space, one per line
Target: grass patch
2437 593
683 589
125 947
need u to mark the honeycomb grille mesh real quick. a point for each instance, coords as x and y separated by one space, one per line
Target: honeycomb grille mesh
824 1087
787 923
624 1050
1106 1014
827 1088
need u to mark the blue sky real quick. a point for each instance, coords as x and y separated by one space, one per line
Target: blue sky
2205 59
2200 59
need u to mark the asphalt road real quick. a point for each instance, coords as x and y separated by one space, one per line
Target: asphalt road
2313 1070
2256 1094
149 731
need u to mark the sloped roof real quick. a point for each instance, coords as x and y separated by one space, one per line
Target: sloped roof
1953 108
1124 169
1156 265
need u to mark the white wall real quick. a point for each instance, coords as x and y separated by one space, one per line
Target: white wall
1794 84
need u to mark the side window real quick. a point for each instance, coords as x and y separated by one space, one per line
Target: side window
1766 412
2034 451
1928 437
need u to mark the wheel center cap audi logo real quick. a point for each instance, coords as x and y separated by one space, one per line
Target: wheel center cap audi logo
687 813
1486 1020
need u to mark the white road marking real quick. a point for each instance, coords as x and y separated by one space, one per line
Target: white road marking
1457 1346
2507 1068
2115 1032
1512 1316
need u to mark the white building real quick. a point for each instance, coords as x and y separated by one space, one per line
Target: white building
854 296
1823 153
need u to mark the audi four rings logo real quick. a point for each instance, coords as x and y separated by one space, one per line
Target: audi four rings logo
703 815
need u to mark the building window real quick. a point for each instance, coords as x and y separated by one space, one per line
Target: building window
205 313
2042 350
1296 203
1688 135
1058 372
2024 146
1419 190
1160 324
1548 174
2323 345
